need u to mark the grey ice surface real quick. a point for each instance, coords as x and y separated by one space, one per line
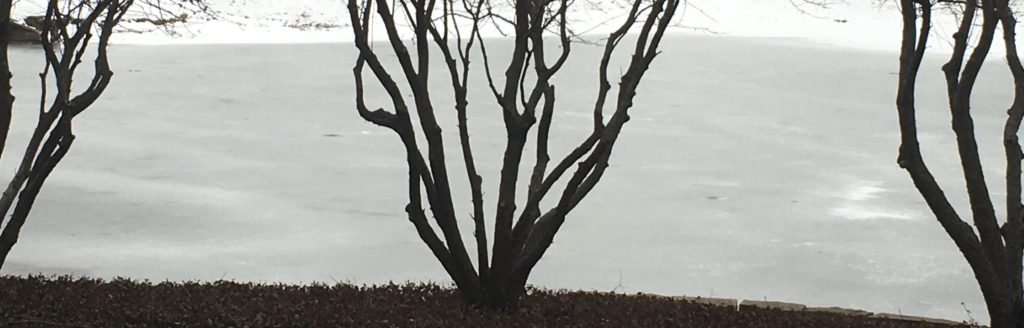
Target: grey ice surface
752 168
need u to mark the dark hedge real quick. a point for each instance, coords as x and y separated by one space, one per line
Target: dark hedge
81 302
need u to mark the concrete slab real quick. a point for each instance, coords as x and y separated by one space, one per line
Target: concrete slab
839 310
914 318
729 302
773 305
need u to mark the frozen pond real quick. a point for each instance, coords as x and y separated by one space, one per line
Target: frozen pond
753 168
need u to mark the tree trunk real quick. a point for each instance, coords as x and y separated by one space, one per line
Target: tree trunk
501 278
1005 318
6 98
37 163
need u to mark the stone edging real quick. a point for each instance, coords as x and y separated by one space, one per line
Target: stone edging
21 33
740 305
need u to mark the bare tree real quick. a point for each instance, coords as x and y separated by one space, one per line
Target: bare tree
69 28
992 250
520 237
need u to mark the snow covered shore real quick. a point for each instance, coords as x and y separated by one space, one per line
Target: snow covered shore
857 24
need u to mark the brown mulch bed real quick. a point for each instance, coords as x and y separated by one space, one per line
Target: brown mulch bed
81 302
